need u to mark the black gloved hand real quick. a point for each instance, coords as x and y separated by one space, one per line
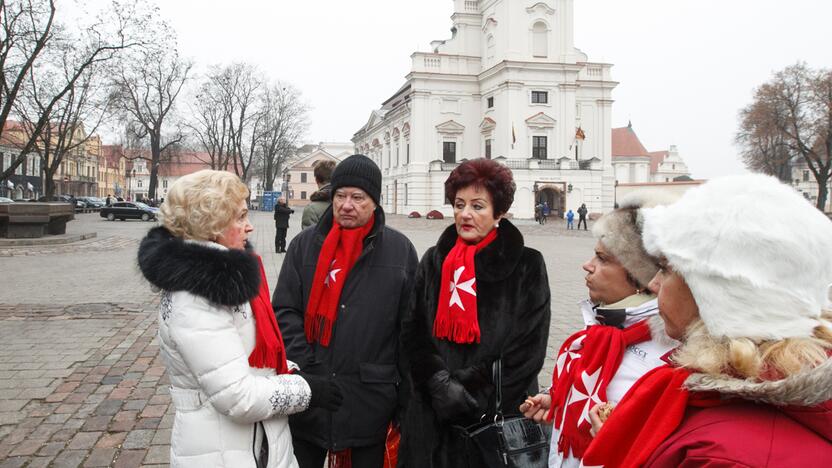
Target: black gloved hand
477 381
449 398
326 393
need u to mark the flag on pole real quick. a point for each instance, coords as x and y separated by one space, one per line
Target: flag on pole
580 135
29 187
513 135
10 185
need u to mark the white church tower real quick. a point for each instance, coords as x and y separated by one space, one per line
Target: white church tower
508 85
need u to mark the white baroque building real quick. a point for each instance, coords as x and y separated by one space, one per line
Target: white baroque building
509 85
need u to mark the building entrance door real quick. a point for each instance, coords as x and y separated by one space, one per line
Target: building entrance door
555 199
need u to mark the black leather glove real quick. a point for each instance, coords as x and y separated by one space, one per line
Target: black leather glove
477 381
449 398
326 393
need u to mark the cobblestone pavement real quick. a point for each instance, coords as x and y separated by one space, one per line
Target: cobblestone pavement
81 381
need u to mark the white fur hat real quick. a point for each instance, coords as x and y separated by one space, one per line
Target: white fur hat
756 255
620 232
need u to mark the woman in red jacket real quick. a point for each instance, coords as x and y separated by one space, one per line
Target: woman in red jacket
746 289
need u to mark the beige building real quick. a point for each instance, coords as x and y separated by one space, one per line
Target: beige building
112 168
299 178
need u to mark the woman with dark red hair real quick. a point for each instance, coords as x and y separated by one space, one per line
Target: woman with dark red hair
480 295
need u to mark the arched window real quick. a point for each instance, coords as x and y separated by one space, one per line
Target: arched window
540 39
489 49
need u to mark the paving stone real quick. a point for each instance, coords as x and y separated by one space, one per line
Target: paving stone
15 462
159 454
154 411
148 423
101 457
84 440
51 449
111 440
28 447
40 462
130 458
69 459
96 423
162 437
138 439
108 407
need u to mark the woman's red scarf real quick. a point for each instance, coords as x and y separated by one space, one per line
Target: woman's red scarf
586 364
456 313
650 412
268 349
340 251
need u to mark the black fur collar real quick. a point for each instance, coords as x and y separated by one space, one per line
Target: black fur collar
495 262
226 277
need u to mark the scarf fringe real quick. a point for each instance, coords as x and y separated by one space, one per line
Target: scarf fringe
319 329
262 358
463 333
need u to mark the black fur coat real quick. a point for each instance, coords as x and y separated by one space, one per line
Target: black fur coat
513 313
226 277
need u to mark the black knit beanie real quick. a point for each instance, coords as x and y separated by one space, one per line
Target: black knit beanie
358 171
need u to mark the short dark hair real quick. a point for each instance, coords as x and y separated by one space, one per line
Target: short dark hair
323 171
491 175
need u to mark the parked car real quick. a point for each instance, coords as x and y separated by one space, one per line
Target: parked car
78 204
128 210
92 203
6 200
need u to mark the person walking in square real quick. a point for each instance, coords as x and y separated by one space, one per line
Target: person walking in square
340 298
322 198
480 295
582 215
230 382
281 224
570 219
546 211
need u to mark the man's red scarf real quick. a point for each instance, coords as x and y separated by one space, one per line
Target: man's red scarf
650 412
340 251
456 312
586 364
268 349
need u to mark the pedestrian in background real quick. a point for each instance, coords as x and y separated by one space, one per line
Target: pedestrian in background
480 295
340 298
623 338
570 219
582 215
748 297
281 224
546 211
322 198
231 384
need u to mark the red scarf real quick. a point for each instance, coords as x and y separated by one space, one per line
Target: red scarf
456 313
586 364
268 349
650 412
340 251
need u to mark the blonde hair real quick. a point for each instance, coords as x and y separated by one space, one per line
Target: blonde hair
750 359
201 205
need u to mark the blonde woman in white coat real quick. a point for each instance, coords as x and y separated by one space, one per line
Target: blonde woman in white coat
231 385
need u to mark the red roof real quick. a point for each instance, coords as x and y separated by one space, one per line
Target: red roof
625 142
656 158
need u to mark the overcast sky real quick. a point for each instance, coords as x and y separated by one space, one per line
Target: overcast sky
685 67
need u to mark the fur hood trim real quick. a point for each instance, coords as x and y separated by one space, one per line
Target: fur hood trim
808 388
496 261
226 277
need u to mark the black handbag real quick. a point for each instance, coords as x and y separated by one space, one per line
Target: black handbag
503 441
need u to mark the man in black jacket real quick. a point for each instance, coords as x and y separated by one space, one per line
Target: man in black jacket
281 224
350 332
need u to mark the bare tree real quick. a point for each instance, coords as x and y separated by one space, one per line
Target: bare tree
146 86
764 148
284 123
795 109
71 53
26 29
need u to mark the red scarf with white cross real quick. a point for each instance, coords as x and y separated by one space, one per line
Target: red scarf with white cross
586 364
340 251
456 312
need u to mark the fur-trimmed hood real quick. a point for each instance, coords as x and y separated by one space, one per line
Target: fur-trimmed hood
809 388
223 276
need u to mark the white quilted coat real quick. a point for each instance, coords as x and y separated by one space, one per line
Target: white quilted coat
223 406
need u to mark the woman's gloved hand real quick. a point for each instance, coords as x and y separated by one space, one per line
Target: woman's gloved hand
449 398
326 393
